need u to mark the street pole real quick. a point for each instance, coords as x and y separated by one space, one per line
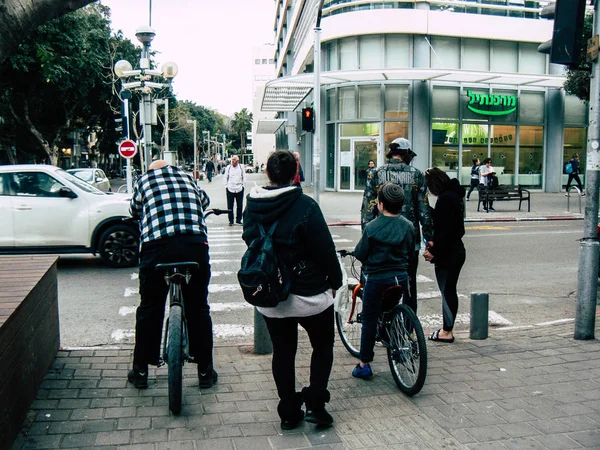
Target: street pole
317 109
169 156
587 289
195 152
129 178
145 36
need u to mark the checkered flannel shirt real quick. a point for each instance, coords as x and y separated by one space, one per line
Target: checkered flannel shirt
168 203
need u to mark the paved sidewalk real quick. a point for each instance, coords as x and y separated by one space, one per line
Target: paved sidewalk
536 389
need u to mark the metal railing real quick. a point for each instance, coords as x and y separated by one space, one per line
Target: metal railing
569 197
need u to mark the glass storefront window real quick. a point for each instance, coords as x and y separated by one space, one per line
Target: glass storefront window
330 178
530 60
444 147
531 156
575 142
348 54
506 118
445 103
474 145
370 52
332 56
392 131
397 51
504 57
503 139
532 107
331 104
360 129
369 102
476 55
396 102
345 163
347 103
575 110
445 52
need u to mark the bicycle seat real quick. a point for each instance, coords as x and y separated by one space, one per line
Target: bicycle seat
176 265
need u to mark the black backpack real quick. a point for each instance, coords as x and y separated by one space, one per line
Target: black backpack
264 279
493 181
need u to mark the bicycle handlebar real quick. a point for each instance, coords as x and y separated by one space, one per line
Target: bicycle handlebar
344 253
216 212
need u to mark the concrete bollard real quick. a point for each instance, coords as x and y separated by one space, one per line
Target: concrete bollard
262 340
480 304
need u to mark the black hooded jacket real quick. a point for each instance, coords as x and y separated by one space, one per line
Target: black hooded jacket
448 225
302 238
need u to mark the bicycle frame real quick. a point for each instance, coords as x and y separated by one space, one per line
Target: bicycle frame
174 279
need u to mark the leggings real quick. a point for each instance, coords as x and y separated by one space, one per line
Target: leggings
447 278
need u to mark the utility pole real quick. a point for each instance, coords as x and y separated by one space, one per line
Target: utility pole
587 288
317 109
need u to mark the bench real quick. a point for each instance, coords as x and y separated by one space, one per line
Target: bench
504 193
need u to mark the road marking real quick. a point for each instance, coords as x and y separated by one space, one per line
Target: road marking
122 335
223 239
222 261
220 307
554 322
496 319
522 233
131 291
229 330
214 288
126 310
423 279
135 276
342 240
217 273
241 244
436 320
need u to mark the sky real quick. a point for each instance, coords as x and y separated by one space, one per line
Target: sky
210 40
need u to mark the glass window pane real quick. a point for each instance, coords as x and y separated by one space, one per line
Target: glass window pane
347 103
575 110
445 53
330 177
397 51
504 57
444 147
345 163
445 103
503 101
348 54
503 148
370 52
575 142
530 60
332 56
360 129
531 156
476 54
331 104
394 130
396 102
532 107
369 102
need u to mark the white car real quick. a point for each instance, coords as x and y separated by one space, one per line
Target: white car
95 177
44 209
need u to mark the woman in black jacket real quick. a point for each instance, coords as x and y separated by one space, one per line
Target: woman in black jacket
304 244
448 251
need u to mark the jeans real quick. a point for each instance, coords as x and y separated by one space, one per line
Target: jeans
474 184
482 195
574 176
447 279
154 290
209 175
284 335
372 298
238 197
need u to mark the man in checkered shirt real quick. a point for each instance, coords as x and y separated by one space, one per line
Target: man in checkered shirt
170 208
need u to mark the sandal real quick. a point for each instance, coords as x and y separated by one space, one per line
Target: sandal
435 336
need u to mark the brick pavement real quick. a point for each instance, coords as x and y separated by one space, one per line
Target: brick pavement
536 388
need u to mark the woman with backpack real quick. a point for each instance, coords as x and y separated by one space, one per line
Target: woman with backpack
574 174
304 246
474 176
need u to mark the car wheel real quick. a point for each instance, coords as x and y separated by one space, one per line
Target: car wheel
119 246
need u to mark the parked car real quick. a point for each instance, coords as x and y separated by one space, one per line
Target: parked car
95 177
47 210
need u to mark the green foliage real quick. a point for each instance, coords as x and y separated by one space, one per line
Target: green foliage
578 79
241 124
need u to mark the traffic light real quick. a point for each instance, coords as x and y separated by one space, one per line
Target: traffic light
308 120
119 124
567 36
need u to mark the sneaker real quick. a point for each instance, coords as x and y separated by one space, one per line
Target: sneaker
239 223
583 194
467 199
319 417
566 195
230 224
362 372
207 379
492 209
138 378
287 424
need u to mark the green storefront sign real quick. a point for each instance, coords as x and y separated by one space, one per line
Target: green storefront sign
491 104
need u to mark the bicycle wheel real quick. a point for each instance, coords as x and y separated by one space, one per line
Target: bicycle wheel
349 325
175 358
407 351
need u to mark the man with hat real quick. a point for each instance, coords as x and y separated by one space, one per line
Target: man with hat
416 208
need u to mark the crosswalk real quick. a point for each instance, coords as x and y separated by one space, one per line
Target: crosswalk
233 317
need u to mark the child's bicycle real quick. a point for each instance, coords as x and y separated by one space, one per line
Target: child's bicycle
398 330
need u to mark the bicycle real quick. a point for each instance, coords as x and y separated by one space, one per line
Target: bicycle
398 330
175 341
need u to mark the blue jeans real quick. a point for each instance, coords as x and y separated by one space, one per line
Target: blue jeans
372 299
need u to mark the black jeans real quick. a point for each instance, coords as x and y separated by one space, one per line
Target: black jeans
482 192
239 200
154 290
284 335
574 176
372 300
209 175
447 279
474 184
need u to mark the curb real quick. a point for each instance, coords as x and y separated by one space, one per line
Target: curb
480 219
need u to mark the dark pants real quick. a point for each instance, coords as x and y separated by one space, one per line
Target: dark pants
447 279
284 334
574 176
209 175
154 290
413 264
482 192
239 200
474 184
372 299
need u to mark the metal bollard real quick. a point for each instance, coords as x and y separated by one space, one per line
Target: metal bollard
262 340
480 304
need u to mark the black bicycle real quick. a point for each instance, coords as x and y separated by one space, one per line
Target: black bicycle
175 342
398 330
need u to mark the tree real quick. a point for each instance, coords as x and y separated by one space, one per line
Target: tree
241 124
20 17
578 79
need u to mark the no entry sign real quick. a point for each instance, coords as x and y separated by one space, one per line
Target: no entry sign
127 149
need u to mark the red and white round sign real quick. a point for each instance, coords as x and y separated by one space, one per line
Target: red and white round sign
127 149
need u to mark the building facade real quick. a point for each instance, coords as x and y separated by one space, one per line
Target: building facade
460 79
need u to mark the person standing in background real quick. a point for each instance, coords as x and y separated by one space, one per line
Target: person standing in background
474 176
299 173
574 175
234 180
210 168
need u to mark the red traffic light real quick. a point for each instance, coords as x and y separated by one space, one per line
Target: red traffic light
308 120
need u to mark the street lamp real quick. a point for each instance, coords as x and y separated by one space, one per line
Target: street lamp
143 82
195 148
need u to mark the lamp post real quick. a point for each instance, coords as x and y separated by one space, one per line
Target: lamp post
195 148
317 101
145 86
